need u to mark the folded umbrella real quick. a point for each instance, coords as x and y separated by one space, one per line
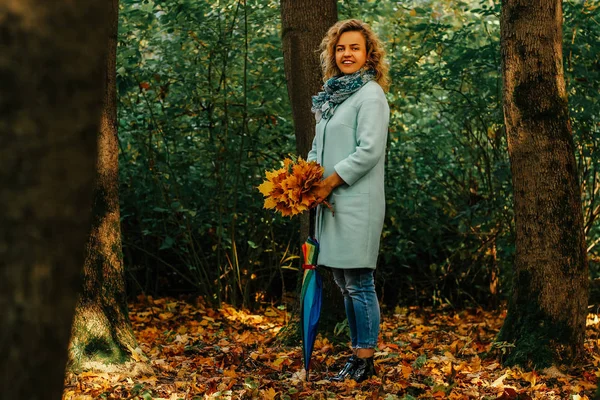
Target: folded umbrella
310 300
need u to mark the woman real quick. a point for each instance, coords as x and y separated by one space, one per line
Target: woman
352 123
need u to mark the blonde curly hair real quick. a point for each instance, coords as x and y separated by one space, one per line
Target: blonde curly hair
375 52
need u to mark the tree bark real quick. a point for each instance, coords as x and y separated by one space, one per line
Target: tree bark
547 312
50 102
304 24
101 328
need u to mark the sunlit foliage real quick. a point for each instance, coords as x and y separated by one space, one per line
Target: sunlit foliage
204 111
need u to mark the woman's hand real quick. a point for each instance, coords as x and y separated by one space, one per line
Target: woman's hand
326 186
322 191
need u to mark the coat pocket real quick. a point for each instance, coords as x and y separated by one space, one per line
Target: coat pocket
352 225
351 204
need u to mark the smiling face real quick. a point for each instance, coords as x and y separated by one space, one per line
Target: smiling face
351 52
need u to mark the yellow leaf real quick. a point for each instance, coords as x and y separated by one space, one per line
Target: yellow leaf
148 379
413 13
268 394
499 382
271 313
266 187
285 211
586 385
530 377
270 203
492 366
278 361
274 174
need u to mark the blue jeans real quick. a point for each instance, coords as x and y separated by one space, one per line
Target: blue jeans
362 306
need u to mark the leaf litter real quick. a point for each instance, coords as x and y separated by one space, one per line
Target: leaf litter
198 352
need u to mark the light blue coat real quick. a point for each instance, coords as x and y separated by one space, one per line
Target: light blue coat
352 142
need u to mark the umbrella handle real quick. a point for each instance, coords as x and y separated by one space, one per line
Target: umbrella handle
311 224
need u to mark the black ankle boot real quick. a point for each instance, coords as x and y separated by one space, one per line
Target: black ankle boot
347 371
364 369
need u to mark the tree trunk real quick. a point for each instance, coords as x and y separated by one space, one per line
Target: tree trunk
547 312
50 102
101 328
304 24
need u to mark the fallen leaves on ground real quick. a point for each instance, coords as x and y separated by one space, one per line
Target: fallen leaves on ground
198 352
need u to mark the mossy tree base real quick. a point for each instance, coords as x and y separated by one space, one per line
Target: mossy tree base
539 340
100 336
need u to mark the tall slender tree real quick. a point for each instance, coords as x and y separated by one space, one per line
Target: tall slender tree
101 327
546 315
50 102
304 24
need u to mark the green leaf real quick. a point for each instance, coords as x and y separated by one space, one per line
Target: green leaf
251 384
420 361
167 243
147 395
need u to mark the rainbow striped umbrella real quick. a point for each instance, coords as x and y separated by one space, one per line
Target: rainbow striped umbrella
310 300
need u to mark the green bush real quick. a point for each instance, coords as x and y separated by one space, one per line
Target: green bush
204 111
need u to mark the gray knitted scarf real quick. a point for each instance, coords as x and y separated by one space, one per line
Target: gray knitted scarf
336 90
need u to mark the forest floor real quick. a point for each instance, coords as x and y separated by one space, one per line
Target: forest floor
198 352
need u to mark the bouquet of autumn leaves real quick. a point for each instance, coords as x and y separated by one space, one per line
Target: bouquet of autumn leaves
290 190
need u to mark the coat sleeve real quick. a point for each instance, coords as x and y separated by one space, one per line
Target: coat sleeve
371 136
312 154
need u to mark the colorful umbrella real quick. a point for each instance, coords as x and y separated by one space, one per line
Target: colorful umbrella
310 300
